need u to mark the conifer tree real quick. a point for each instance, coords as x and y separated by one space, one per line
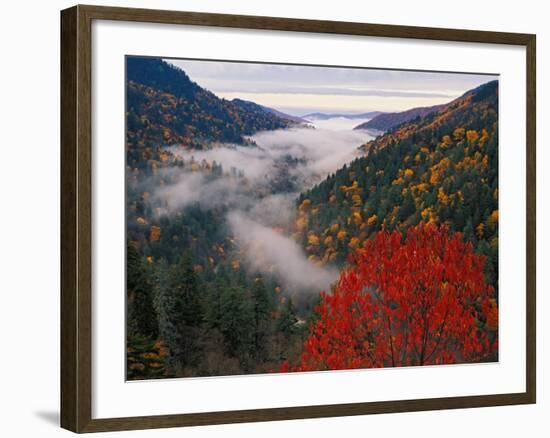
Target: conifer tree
237 322
182 312
287 319
142 319
262 311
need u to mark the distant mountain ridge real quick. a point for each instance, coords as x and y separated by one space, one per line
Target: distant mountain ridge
386 121
326 116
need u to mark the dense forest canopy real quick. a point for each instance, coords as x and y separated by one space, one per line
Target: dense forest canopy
164 107
440 168
204 290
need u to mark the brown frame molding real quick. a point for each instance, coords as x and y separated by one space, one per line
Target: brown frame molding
76 173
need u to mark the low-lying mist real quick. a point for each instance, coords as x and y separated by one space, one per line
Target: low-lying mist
273 253
258 188
319 151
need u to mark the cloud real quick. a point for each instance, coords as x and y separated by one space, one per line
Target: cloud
323 150
329 88
299 104
255 161
302 156
228 88
270 252
198 187
275 210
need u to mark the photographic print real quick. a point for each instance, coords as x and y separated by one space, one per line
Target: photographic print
292 218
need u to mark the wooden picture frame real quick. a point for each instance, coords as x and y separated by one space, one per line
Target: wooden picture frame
76 217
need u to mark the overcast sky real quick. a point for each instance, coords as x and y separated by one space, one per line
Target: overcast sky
298 90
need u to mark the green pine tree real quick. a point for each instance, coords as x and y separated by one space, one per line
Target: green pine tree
181 312
237 322
287 319
262 314
142 319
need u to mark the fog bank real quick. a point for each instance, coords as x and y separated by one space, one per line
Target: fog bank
258 186
309 154
272 253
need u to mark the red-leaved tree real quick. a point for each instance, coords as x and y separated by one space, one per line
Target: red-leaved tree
413 299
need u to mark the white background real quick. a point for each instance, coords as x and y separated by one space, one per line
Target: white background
112 397
29 221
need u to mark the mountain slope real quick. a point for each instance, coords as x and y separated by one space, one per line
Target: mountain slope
254 107
165 107
440 168
285 116
466 110
386 121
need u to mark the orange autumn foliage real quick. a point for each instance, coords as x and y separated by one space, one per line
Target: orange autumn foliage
154 235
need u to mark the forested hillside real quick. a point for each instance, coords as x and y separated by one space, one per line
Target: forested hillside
192 307
255 108
441 168
164 107
225 233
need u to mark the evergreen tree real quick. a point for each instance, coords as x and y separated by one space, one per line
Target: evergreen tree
262 313
469 231
164 303
212 305
185 285
237 322
180 305
407 207
142 319
287 319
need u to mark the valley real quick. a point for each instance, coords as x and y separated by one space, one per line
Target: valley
241 218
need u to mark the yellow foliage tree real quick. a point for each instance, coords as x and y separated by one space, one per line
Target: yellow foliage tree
312 239
484 137
480 229
304 205
356 200
154 235
354 243
458 134
472 135
442 197
301 223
